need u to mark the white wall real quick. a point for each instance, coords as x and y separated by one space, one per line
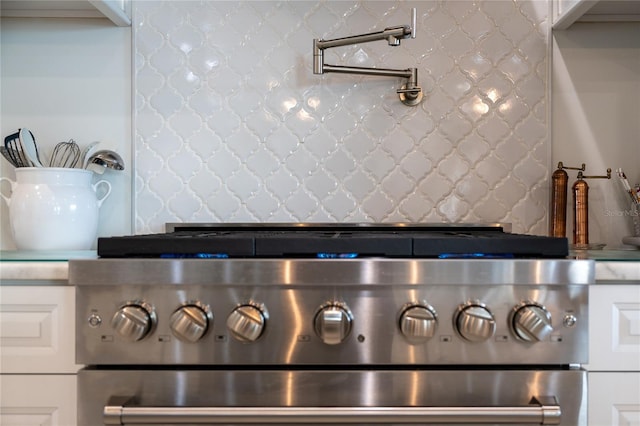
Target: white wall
596 117
69 79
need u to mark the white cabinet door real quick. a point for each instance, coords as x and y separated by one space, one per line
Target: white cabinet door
37 329
38 400
614 328
614 399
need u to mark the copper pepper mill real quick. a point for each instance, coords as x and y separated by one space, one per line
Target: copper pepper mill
581 208
559 185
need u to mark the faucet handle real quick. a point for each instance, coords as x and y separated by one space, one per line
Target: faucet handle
410 95
414 20
412 91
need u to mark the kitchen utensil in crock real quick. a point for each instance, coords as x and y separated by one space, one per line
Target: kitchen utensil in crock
65 154
14 150
5 153
105 159
17 151
86 153
29 147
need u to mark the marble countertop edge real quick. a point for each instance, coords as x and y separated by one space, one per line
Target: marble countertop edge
33 271
617 271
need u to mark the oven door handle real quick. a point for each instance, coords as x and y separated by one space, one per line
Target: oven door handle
541 410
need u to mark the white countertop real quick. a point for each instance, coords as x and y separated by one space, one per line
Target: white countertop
39 268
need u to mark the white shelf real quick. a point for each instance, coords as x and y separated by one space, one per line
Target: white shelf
114 10
595 11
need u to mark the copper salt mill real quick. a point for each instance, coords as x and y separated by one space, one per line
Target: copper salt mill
559 179
581 208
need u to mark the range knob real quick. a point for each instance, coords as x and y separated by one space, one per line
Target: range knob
190 322
332 322
134 321
418 322
530 322
474 322
247 322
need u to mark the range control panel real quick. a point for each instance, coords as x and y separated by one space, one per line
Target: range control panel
399 324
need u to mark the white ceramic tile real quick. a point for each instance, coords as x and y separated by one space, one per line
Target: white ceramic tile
203 184
224 204
340 205
282 184
378 205
231 123
263 163
416 165
398 185
379 164
263 205
302 204
360 184
415 205
458 44
224 163
341 164
185 123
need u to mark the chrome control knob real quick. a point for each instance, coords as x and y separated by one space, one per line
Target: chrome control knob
418 322
474 322
333 322
247 322
134 321
190 322
530 322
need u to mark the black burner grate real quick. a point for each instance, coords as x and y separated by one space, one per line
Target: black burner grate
326 241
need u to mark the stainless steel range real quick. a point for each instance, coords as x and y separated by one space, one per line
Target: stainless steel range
341 324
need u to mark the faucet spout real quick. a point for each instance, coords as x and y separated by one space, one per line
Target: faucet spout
393 35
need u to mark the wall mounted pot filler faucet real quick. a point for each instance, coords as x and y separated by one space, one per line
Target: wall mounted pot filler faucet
410 93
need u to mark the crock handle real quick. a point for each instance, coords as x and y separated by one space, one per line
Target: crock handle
4 197
104 197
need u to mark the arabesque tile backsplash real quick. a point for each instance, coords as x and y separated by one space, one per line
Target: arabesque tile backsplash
232 125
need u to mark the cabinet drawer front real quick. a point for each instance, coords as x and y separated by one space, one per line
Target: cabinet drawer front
37 328
614 328
614 399
38 400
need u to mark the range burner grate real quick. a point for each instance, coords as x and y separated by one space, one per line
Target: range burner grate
334 242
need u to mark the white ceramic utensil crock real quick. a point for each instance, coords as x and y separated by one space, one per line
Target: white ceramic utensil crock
54 208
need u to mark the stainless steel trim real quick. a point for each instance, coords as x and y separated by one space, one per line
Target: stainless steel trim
312 272
541 411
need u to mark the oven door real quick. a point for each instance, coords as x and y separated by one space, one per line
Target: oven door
393 397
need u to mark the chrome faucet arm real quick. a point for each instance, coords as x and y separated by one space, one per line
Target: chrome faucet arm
384 72
392 34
